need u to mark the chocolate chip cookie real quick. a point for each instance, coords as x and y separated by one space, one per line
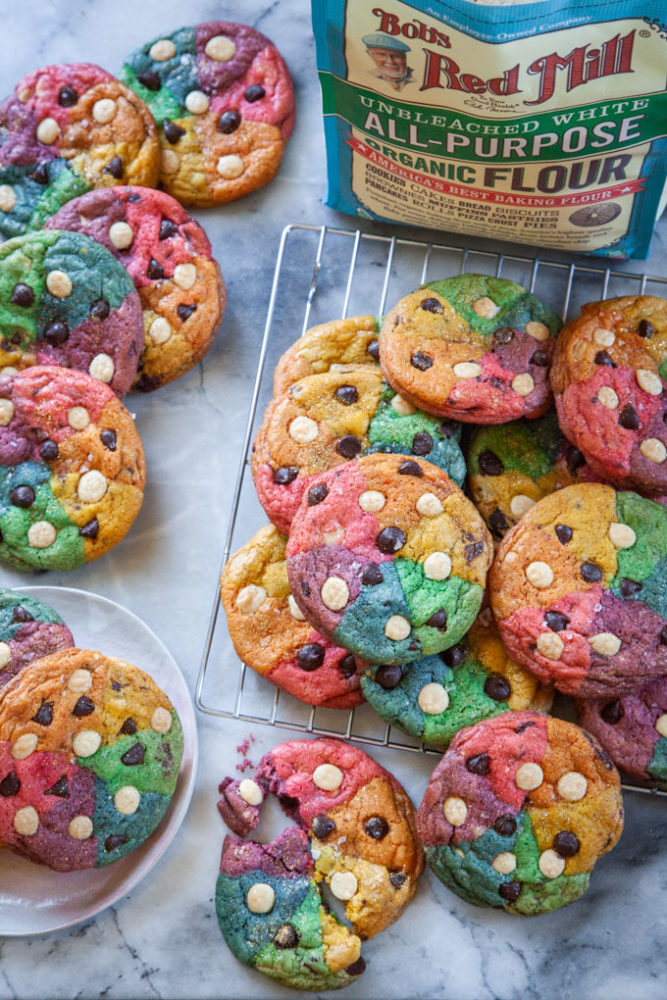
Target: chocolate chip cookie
351 341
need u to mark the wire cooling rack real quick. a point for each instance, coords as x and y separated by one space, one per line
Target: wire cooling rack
324 273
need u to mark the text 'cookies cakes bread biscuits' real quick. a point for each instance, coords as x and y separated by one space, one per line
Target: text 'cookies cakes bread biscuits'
351 341
72 469
355 835
167 255
608 379
434 698
388 558
65 300
90 750
579 590
270 633
29 630
327 419
67 129
518 811
512 466
471 348
223 100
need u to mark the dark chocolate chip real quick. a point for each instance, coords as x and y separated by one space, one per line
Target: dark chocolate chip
498 523
286 937
48 450
388 676
438 620
347 394
410 469
397 879
115 686
56 333
454 656
128 728
602 358
135 755
490 464
421 361
147 383
390 540
563 533
22 496
22 295
523 726
60 789
10 785
305 588
311 656
113 841
509 891
479 764
21 614
349 446
317 494
185 311
496 382
374 350
288 802
150 80
155 271
566 844
115 168
645 329
167 229
357 967
134 197
422 443
84 706
372 575
473 550
172 132
556 621
574 460
90 529
629 418
503 335
505 825
100 309
497 687
255 92
348 665
431 305
376 827
591 572
540 358
44 714
67 97
108 439
41 173
628 587
228 122
322 826
612 712
285 474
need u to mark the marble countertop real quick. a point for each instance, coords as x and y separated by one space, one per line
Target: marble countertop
162 940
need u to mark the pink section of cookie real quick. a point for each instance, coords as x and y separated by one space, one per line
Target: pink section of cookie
570 652
324 683
43 86
276 107
43 398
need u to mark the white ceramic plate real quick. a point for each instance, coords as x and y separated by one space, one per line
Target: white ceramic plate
34 899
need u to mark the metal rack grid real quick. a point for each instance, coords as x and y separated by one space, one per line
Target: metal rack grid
325 273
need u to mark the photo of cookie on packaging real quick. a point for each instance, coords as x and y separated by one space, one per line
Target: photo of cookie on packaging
351 341
354 834
222 97
67 129
29 630
167 255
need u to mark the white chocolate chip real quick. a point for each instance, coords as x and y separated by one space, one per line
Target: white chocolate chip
159 331
429 505
24 745
5 654
511 557
328 777
605 338
303 429
78 418
41 534
335 593
250 792
48 131
260 897
250 599
521 504
6 411
295 610
467 369
433 699
397 628
26 821
220 48
622 535
121 235
608 397
654 450
343 885
550 645
230 166
485 307
551 864
104 110
162 50
7 197
185 275
578 350
437 566
59 284
504 863
605 643
127 799
523 384
372 501
169 161
161 720
529 776
537 330
401 406
86 742
649 381
197 102
80 828
539 574
102 367
333 537
80 680
92 486
572 786
455 810
8 370
661 726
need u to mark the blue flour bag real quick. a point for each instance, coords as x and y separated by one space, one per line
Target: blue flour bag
536 123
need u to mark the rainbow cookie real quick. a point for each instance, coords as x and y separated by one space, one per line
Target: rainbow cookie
518 811
579 591
355 834
29 629
351 341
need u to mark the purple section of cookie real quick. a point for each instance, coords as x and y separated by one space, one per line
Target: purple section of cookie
215 76
641 654
100 209
20 147
286 856
17 439
516 355
235 811
642 469
52 845
307 572
33 640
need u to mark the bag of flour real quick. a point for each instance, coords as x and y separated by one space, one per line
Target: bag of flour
537 123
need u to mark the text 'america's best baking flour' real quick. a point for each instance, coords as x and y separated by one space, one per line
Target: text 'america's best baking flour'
539 123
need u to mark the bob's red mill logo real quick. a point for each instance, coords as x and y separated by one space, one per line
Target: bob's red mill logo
581 65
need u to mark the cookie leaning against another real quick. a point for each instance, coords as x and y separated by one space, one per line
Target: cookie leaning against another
90 750
223 100
351 341
29 630
167 255
67 129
